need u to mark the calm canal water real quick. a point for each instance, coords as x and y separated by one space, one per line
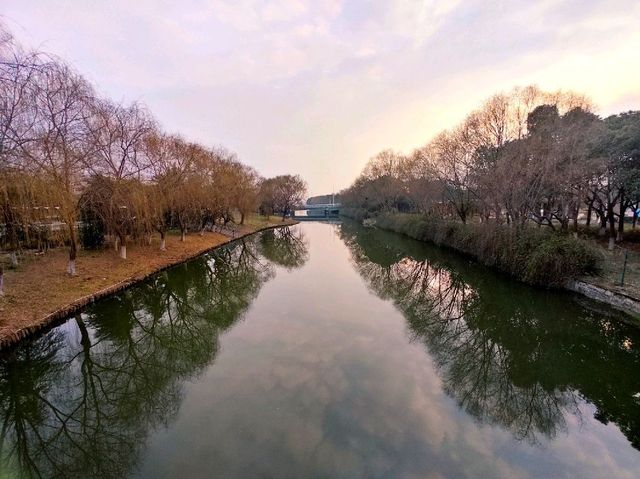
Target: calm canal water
326 351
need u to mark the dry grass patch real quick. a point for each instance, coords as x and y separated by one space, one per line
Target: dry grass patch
40 287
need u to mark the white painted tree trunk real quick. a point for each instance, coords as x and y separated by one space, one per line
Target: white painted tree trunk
163 244
123 251
71 267
116 244
1 282
183 236
14 259
612 242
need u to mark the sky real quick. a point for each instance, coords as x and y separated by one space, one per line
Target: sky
318 87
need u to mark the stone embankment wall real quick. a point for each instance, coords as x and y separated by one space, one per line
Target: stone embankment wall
616 299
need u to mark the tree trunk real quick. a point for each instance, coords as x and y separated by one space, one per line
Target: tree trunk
463 215
1 280
12 235
603 223
564 222
589 211
241 218
73 250
71 267
635 216
612 226
183 234
123 247
623 210
14 259
163 242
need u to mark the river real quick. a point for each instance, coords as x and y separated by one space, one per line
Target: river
326 350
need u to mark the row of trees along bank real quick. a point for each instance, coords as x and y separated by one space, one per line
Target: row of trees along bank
70 157
526 157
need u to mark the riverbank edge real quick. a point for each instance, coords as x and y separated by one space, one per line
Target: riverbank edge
615 299
62 313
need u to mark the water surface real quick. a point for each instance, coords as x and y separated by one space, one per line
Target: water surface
326 351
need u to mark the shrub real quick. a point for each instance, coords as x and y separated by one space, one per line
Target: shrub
357 214
559 257
93 229
533 255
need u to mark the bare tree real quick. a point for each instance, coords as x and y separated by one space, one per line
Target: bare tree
18 71
246 190
117 136
283 193
452 156
60 149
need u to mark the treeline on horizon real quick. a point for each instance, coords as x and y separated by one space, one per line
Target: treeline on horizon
523 156
70 157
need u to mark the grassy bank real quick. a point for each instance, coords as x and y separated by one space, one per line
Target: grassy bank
38 292
532 255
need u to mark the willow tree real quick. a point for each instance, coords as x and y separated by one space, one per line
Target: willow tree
17 115
245 191
266 196
19 193
185 184
167 173
117 134
217 170
233 186
283 193
60 148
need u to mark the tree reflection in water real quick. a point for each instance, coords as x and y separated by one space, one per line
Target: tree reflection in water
285 247
508 354
82 398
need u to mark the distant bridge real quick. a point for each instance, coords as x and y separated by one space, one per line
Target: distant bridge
318 212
